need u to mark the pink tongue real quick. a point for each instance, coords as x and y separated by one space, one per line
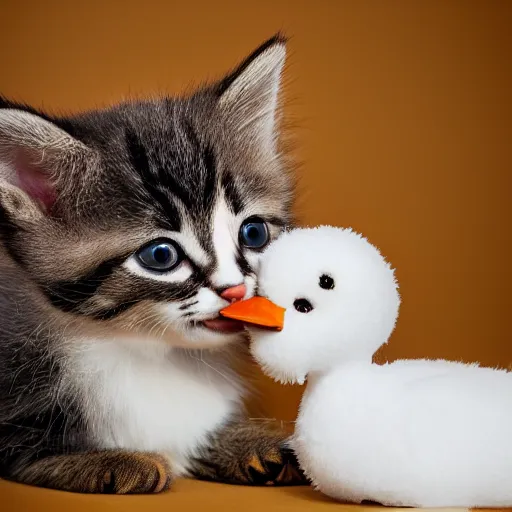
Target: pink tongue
224 325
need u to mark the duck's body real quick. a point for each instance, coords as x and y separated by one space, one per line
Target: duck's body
410 433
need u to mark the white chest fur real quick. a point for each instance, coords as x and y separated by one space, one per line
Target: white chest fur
152 399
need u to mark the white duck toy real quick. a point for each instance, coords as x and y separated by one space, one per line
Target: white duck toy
411 433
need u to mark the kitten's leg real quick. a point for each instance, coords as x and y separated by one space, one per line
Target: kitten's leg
110 472
248 453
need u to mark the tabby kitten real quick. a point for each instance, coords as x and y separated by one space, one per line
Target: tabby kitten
123 232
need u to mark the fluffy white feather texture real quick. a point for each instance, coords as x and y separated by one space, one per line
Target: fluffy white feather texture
351 321
410 433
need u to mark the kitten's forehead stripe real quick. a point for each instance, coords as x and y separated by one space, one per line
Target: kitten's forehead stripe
210 178
187 173
233 196
169 215
181 172
205 205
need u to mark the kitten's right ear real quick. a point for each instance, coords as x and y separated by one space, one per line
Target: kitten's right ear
248 97
34 155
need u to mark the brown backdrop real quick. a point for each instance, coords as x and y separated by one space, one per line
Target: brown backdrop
404 129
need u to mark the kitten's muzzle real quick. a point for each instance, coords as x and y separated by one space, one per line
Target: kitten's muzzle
222 324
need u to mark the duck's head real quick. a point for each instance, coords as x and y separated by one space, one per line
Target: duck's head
326 296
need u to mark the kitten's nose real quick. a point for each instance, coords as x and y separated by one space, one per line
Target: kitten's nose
234 292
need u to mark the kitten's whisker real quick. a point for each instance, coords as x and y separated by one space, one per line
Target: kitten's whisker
202 360
186 306
212 367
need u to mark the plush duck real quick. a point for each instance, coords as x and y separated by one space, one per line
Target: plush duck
411 433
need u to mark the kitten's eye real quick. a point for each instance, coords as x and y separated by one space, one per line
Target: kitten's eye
160 256
254 233
303 305
326 282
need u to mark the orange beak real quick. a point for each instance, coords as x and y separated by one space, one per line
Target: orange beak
256 311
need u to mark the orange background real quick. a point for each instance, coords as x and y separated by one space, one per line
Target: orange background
403 125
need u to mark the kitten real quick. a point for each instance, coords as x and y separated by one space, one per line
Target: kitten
123 232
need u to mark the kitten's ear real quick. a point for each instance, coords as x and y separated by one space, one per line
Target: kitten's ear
34 154
248 97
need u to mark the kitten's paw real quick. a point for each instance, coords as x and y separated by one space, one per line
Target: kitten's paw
106 472
135 474
274 465
248 453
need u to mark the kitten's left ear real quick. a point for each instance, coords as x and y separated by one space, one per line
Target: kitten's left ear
248 97
36 159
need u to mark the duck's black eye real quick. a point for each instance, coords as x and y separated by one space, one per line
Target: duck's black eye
160 256
303 305
326 282
254 233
